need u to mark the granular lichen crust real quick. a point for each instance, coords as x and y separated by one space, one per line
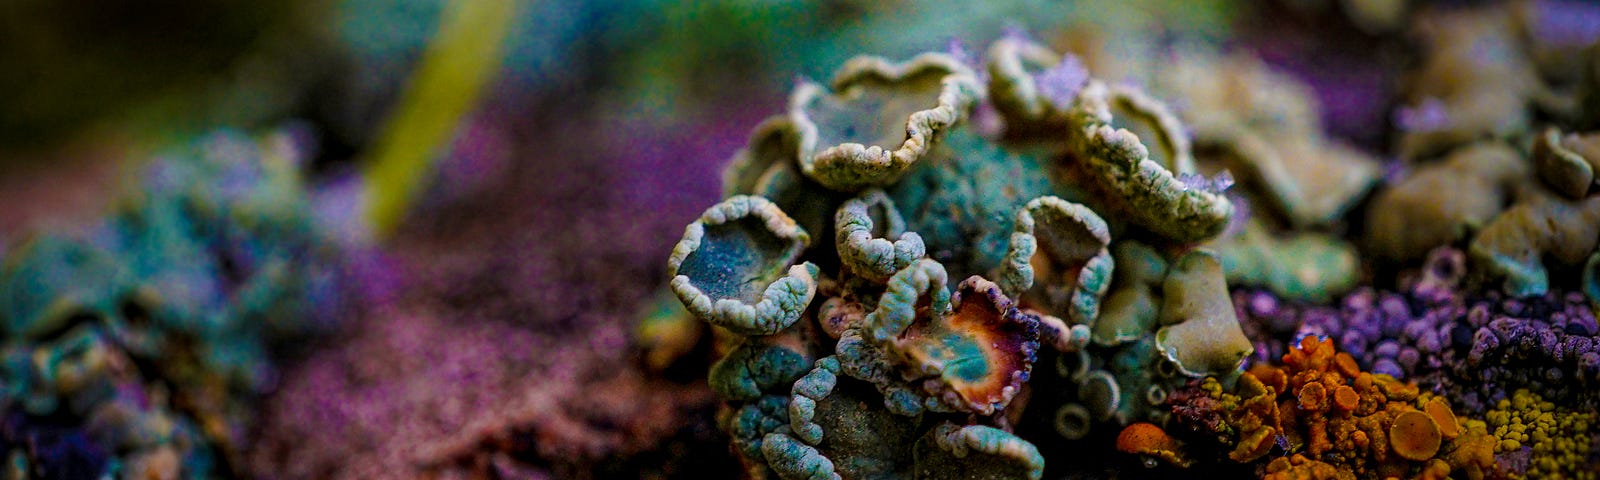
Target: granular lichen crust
1132 183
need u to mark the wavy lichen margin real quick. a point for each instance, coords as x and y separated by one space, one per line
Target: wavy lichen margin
1071 234
1146 191
851 166
976 451
872 237
780 303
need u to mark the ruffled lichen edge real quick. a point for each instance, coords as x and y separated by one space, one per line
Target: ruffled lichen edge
1094 277
782 302
873 257
853 166
1147 192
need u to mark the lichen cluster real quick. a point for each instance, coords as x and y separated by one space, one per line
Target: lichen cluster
1498 116
1098 232
1475 350
136 350
1074 217
1328 419
1538 439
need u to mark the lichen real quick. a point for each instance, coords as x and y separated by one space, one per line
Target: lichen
873 241
1059 259
1421 212
1200 332
879 119
1558 441
1307 265
1330 418
1516 244
148 338
735 267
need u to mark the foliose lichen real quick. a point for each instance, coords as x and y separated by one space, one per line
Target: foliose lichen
875 366
142 345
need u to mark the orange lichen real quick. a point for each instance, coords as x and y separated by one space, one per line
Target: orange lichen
1152 442
1415 436
1298 467
1446 419
1334 421
1346 399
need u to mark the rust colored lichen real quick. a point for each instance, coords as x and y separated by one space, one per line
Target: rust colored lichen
1146 439
1439 410
1415 436
1333 421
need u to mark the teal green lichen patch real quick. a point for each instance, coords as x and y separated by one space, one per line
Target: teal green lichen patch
735 267
880 118
1515 245
748 425
48 280
1059 258
872 237
976 452
1120 169
1201 333
962 199
758 366
1308 266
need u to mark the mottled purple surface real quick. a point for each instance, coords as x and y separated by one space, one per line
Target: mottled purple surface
499 335
1475 350
1566 23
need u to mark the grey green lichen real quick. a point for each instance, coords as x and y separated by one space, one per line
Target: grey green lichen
1200 332
1131 182
873 241
1060 247
735 267
950 451
892 373
879 119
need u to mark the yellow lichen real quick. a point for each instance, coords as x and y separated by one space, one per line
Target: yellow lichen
1559 439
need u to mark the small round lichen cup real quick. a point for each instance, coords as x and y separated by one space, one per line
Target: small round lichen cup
735 267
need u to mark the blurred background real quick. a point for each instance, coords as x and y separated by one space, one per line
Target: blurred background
562 146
